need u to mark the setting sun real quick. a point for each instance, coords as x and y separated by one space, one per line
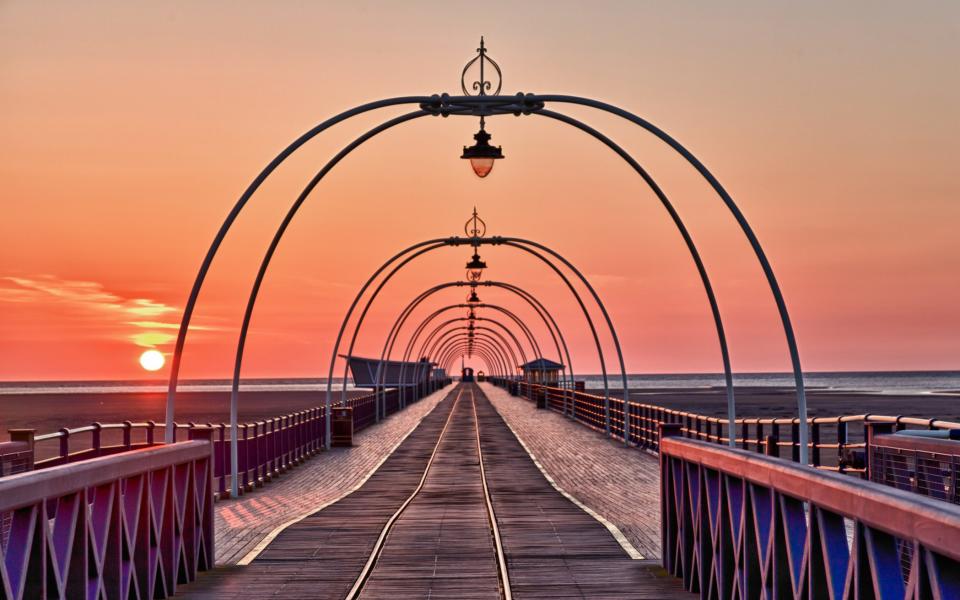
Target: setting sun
152 360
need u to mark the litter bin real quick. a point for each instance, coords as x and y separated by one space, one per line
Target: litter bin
541 398
341 427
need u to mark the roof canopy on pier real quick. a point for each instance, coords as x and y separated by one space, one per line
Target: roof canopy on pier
374 373
542 370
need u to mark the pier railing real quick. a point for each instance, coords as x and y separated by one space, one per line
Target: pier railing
736 524
267 447
836 443
132 525
915 463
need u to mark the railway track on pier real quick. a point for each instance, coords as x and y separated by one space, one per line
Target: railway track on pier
458 511
452 495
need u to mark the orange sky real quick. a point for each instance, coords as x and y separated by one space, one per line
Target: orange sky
129 130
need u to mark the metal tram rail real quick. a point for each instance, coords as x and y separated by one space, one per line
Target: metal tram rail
502 574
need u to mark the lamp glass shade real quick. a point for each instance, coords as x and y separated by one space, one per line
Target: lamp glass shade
482 166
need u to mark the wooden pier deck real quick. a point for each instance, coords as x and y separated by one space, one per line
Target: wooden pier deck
441 541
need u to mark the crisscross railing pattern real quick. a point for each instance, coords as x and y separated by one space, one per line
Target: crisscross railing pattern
134 525
737 524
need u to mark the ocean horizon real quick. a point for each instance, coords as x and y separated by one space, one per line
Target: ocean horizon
890 382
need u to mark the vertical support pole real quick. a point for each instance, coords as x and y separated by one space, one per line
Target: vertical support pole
326 419
815 444
771 446
234 447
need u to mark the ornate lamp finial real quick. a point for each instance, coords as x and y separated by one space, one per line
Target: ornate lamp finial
481 86
475 227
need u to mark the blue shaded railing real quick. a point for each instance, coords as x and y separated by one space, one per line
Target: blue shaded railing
736 524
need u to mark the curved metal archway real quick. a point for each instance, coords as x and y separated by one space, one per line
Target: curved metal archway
557 343
478 334
452 348
456 345
388 344
531 339
429 245
421 327
446 105
440 333
523 294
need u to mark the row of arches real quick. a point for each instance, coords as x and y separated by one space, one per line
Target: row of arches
444 105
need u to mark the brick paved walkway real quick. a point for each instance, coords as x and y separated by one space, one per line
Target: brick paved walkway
618 483
244 523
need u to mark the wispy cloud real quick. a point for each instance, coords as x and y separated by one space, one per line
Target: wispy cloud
115 309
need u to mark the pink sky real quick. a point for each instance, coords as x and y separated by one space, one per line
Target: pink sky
129 131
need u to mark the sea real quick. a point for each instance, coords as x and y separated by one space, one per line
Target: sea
881 382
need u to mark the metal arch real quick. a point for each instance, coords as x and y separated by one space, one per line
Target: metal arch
495 360
517 243
516 289
228 222
463 345
262 271
526 296
426 340
458 333
459 345
363 314
478 335
485 355
516 341
423 325
524 104
493 363
435 335
539 306
691 248
454 242
522 325
531 339
744 226
463 350
436 105
480 342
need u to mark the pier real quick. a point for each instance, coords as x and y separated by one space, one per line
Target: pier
432 478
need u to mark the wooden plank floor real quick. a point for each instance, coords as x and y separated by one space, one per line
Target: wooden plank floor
554 549
441 546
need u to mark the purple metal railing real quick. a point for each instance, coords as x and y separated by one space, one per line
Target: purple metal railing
921 465
266 448
836 443
131 525
16 456
736 524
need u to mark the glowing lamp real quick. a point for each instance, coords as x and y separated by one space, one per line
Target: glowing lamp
475 268
481 155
